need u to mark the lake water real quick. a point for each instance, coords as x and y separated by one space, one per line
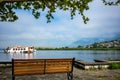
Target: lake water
87 55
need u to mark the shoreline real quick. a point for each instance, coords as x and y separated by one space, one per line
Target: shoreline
40 48
82 49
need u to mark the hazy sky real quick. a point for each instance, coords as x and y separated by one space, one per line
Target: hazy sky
62 31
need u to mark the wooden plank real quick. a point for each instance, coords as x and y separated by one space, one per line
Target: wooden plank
26 72
24 68
17 65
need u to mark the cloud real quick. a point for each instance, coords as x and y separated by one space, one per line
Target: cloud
62 31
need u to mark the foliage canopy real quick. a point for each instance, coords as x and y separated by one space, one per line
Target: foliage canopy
36 7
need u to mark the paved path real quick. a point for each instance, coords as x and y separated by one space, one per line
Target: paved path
5 74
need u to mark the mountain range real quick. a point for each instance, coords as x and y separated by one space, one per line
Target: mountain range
88 41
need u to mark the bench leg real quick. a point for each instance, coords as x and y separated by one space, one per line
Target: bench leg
70 76
13 77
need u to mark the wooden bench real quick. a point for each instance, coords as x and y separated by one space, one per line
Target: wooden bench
42 66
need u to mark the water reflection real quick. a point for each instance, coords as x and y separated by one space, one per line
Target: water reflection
87 55
112 54
22 55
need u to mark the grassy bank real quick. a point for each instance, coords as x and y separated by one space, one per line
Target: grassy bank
114 65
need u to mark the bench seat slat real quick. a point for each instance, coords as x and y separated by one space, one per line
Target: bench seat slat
26 72
29 65
27 68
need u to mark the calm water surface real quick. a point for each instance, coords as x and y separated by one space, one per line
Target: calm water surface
87 55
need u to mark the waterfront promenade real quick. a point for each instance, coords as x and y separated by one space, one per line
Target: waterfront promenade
78 74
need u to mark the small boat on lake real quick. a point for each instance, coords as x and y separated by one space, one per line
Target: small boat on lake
20 49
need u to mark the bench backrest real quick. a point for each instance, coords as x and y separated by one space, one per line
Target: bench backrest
42 66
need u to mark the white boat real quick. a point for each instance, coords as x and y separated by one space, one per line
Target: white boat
20 49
